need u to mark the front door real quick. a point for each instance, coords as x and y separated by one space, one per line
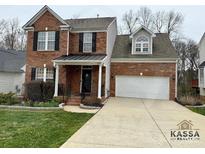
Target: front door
86 80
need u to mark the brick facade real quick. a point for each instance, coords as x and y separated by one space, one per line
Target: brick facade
148 69
39 58
72 80
100 44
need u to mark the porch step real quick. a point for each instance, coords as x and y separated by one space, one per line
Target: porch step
74 100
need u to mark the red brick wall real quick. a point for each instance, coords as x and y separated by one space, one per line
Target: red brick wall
73 77
100 43
148 69
38 58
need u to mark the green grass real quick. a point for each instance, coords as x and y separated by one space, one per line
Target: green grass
46 104
42 129
200 110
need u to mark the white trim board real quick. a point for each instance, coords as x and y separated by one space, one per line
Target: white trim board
128 60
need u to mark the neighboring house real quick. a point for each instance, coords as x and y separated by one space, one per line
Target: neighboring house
144 66
79 49
77 53
201 82
12 71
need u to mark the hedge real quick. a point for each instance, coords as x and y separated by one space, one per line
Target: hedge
41 91
8 99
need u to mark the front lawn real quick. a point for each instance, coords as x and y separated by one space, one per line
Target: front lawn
42 129
200 110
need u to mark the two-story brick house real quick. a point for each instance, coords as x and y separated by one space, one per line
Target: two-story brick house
79 50
90 58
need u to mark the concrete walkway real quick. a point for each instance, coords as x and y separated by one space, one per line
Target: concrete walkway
77 109
126 122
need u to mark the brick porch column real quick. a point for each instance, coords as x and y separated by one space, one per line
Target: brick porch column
56 80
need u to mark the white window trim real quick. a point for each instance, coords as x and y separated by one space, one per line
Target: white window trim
48 71
87 42
202 84
134 42
46 42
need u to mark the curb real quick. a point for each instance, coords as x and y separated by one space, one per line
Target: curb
30 108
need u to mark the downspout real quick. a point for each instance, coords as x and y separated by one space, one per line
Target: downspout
67 42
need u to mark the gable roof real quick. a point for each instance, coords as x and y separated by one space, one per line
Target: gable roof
201 39
40 13
90 24
12 61
140 28
162 47
81 24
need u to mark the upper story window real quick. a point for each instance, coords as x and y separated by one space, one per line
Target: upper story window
142 44
87 42
46 41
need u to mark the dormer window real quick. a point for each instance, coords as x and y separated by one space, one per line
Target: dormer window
142 41
142 44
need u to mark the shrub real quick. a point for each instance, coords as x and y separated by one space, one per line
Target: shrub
92 101
8 99
189 100
41 91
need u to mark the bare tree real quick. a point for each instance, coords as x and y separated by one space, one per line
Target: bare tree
3 24
192 55
130 21
145 17
13 36
159 21
173 22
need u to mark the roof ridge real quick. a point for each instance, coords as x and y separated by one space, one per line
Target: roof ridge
7 51
84 18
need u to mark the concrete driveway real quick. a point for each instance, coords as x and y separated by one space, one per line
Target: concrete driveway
127 122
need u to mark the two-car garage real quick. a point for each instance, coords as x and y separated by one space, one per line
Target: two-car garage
143 80
150 87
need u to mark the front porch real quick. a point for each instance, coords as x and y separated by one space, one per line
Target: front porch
81 79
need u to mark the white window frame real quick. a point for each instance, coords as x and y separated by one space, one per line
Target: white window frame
40 73
142 43
87 42
46 41
201 77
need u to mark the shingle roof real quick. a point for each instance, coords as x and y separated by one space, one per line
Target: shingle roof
202 65
90 24
162 47
81 57
11 60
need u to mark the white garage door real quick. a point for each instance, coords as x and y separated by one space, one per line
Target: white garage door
142 87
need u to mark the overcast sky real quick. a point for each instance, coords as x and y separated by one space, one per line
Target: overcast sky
193 27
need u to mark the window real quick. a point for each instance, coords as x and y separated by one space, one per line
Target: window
87 42
46 41
49 74
40 71
201 77
142 44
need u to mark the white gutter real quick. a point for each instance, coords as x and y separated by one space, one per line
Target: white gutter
143 60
